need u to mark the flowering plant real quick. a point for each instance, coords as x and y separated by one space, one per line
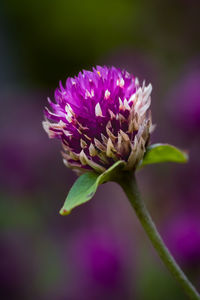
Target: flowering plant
103 120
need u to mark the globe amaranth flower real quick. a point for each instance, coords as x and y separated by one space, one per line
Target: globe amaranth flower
101 116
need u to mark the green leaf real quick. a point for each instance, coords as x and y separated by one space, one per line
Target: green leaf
159 153
86 185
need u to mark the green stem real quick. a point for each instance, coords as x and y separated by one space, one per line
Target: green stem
129 185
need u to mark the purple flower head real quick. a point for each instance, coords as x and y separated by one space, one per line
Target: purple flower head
101 117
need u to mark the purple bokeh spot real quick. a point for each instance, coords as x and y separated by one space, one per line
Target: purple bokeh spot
183 238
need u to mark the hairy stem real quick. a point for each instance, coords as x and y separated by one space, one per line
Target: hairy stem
129 185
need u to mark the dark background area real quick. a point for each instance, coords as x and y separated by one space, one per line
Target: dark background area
100 250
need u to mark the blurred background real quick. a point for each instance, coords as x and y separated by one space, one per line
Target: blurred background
99 251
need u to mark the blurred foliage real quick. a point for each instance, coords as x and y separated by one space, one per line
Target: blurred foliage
18 217
58 38
155 282
64 36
